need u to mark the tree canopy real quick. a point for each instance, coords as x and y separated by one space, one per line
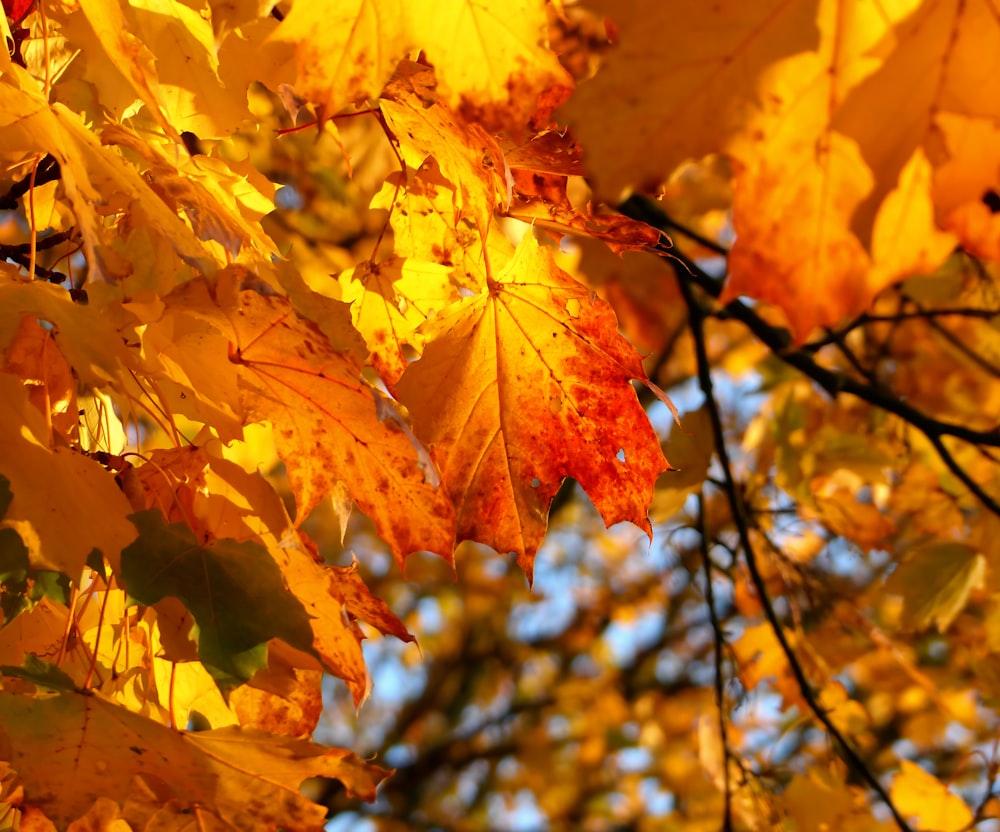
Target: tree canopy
626 376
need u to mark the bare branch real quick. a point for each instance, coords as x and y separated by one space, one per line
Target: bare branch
847 751
720 646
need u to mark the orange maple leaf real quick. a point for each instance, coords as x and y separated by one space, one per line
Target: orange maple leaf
522 386
332 427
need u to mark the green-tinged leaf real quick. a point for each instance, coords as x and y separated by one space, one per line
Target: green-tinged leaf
14 562
234 590
48 584
689 447
41 674
21 587
935 582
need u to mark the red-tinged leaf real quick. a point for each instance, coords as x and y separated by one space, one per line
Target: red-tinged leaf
549 152
468 156
17 10
358 600
522 386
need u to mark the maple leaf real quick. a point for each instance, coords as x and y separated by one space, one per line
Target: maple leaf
334 639
294 713
95 178
220 204
935 582
542 199
163 56
540 171
490 56
60 495
186 352
217 499
346 52
523 386
922 795
491 59
466 154
702 93
429 227
389 301
33 356
148 768
331 427
935 43
776 94
358 600
238 599
173 329
85 337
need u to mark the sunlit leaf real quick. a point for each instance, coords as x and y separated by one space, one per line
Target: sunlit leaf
65 504
921 795
121 755
332 427
525 385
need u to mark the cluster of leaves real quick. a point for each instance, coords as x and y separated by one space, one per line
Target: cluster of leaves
198 387
151 323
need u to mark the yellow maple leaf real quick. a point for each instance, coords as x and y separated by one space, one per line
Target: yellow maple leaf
939 61
921 795
98 182
798 97
65 504
346 49
428 227
649 108
165 53
123 756
466 154
490 57
389 300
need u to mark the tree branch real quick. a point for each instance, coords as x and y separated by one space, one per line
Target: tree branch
847 752
720 646
47 171
833 382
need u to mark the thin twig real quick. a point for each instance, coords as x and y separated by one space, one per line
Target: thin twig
832 381
8 250
962 347
720 646
962 474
